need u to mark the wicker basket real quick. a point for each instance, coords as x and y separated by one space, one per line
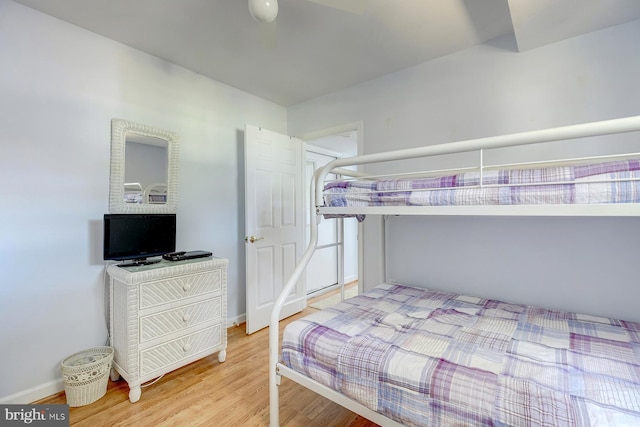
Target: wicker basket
86 374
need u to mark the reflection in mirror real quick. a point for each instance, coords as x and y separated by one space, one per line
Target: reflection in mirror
144 165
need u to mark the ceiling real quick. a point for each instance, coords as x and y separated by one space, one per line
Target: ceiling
319 49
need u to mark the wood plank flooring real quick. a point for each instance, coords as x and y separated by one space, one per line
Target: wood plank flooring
207 393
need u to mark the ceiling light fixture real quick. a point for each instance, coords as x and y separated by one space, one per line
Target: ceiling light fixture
263 11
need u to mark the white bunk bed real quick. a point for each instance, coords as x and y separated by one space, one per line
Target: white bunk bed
155 193
604 353
152 194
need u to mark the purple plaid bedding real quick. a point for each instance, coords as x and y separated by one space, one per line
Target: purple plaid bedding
427 358
557 185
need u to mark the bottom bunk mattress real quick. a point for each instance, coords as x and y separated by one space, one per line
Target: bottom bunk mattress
429 358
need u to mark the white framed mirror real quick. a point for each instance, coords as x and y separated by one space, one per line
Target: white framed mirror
144 169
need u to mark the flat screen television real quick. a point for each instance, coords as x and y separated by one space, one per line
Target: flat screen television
137 237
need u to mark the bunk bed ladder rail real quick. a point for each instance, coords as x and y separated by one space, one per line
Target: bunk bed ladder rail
481 168
274 329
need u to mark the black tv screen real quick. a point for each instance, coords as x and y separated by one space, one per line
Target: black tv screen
138 236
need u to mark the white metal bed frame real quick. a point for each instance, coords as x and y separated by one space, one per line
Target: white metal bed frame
155 193
608 127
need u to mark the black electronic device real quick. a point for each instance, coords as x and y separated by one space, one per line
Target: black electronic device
139 262
173 256
136 237
180 256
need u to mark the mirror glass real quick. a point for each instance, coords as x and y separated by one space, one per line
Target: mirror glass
145 172
143 169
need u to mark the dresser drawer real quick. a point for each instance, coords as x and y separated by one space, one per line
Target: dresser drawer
176 288
170 321
161 356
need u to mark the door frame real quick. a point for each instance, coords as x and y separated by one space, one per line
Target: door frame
358 126
338 228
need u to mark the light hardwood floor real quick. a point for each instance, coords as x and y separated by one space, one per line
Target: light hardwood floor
207 393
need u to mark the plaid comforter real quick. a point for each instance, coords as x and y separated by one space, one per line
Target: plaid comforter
554 185
426 358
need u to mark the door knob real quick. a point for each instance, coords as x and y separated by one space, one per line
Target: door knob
252 239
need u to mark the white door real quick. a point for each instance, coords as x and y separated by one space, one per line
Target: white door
322 270
274 222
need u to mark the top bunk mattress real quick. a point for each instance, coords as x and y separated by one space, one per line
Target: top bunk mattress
429 358
609 182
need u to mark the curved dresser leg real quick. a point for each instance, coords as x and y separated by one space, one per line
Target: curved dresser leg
134 394
114 375
222 356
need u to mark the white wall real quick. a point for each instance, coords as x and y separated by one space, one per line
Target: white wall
490 90
60 86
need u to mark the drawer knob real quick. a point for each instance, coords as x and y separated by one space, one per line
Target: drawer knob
186 347
186 317
186 286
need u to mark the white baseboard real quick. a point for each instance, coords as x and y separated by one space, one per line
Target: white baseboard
34 394
235 321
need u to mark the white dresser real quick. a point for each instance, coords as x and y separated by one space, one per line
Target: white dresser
166 315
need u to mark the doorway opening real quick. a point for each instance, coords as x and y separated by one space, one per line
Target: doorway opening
337 238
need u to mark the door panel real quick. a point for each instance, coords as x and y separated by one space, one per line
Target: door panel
274 222
322 270
288 192
265 263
